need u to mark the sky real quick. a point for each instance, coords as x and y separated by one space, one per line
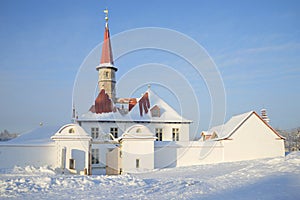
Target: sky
255 46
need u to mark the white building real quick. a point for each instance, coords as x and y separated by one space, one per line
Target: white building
122 135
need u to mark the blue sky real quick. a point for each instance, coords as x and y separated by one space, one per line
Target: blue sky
255 45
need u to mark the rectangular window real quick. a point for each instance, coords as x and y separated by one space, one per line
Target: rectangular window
137 163
114 132
95 156
158 133
175 134
72 163
95 132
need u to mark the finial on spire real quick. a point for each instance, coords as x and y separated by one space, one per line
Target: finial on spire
106 17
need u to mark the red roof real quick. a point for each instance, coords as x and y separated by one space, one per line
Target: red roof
103 104
144 104
107 56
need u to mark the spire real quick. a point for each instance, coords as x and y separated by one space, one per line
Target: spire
106 69
107 56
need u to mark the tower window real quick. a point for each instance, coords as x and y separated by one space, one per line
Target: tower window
106 74
137 163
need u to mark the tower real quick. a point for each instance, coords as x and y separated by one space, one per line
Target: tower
106 69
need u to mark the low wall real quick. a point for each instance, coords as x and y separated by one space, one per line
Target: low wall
24 155
238 151
176 154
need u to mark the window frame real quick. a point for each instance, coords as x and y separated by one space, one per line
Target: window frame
71 130
95 132
95 157
106 74
175 134
71 163
159 134
114 131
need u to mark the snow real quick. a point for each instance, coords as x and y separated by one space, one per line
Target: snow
275 178
168 114
225 130
40 135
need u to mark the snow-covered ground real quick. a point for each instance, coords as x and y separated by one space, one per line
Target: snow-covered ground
277 178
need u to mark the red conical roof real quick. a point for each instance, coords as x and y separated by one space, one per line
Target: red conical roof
107 56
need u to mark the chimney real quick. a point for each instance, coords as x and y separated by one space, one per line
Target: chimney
264 115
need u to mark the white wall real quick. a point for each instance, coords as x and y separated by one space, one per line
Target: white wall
197 153
77 150
253 140
176 154
142 149
24 155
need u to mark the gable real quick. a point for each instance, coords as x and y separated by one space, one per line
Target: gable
167 113
255 126
227 130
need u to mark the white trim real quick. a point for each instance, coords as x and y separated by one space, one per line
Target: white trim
106 65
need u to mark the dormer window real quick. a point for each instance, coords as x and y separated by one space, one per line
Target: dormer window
155 111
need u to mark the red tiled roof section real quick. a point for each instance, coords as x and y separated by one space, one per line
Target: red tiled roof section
103 104
132 103
107 56
144 104
92 109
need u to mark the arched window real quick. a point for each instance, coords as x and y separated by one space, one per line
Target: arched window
138 130
71 130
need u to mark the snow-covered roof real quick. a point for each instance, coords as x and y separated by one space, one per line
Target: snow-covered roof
226 130
38 136
167 113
